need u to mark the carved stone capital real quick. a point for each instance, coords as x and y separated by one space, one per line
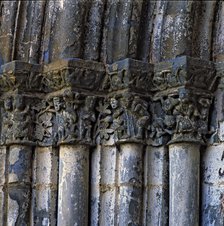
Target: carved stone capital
17 125
65 119
184 91
123 118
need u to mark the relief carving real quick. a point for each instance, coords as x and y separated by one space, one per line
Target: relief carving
183 117
66 118
123 117
17 126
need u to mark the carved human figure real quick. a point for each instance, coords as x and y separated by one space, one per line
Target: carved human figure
117 118
140 109
185 116
87 117
70 116
7 120
168 106
21 119
202 123
59 134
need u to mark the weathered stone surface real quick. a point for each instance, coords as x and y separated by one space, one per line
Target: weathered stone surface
73 190
184 179
108 185
106 32
156 183
213 185
130 183
45 183
2 183
19 185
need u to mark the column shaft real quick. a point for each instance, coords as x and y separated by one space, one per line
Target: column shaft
45 178
73 185
156 194
213 186
108 185
19 185
184 181
130 184
95 186
2 183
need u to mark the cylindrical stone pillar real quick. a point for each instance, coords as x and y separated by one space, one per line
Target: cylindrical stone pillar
19 185
130 184
45 178
184 178
95 185
108 185
156 193
73 188
213 186
2 183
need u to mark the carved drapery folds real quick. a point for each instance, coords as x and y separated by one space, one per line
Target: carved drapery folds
77 101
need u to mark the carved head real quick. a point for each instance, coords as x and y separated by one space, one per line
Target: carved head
19 103
114 103
8 104
57 103
90 102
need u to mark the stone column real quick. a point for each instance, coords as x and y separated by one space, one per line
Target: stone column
73 185
184 179
130 184
212 162
17 130
45 182
19 185
2 184
123 122
95 178
156 187
122 159
108 185
69 112
213 185
185 101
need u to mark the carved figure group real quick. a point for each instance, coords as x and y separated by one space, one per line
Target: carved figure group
127 118
16 121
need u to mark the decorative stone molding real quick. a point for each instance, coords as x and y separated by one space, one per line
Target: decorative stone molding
22 76
134 75
75 73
